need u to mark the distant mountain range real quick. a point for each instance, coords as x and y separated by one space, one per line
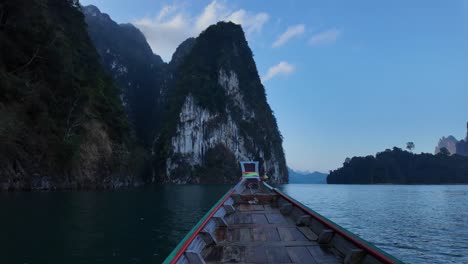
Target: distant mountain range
307 177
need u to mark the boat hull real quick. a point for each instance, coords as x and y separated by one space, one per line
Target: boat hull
255 223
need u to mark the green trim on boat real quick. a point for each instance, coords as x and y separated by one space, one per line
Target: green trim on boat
189 234
250 174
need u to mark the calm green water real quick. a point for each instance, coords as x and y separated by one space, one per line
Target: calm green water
137 226
418 224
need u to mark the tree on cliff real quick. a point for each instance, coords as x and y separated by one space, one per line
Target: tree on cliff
444 152
410 146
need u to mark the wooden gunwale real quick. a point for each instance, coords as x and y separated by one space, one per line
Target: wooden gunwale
363 244
371 249
182 246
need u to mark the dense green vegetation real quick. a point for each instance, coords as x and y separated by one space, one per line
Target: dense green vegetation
401 167
55 100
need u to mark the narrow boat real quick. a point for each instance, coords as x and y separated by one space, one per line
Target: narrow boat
256 223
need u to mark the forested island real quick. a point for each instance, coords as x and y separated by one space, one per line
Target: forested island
398 166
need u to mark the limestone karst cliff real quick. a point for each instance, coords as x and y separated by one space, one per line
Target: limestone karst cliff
218 104
454 146
198 114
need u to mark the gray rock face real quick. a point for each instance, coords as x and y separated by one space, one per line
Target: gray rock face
450 143
220 102
141 75
181 52
453 145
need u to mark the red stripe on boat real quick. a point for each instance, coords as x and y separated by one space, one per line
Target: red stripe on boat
192 237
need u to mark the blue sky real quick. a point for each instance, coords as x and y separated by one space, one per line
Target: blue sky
344 78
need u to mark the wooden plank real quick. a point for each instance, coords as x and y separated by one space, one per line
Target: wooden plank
229 208
286 208
245 207
259 234
277 255
214 255
245 219
303 220
298 236
233 254
245 234
259 219
232 235
257 207
197 245
255 254
276 219
285 234
210 229
272 234
354 256
291 234
232 219
307 232
268 243
325 236
220 213
343 245
233 226
220 233
194 257
368 259
300 255
183 260
323 255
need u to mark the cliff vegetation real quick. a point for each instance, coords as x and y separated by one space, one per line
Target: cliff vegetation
62 122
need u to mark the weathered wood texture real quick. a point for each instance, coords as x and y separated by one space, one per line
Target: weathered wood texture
258 225
259 232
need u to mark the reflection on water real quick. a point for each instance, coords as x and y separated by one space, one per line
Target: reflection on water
418 224
135 226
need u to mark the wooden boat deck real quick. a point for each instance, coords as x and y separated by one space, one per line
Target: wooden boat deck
255 223
259 233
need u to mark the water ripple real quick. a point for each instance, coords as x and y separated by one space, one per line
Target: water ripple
417 224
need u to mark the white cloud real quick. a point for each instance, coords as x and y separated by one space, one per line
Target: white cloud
210 15
166 11
164 36
291 32
252 23
325 37
282 68
172 25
